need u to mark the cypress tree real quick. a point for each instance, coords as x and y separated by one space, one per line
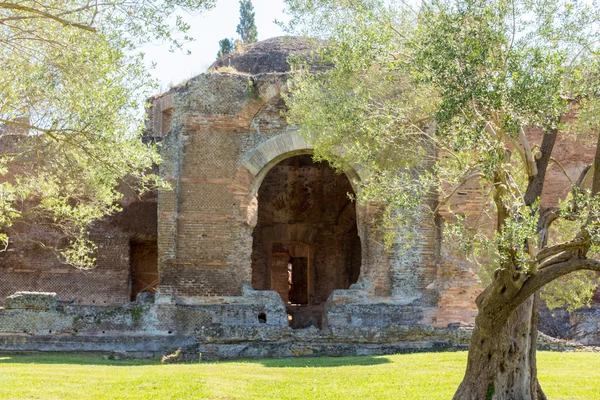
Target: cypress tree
226 46
247 28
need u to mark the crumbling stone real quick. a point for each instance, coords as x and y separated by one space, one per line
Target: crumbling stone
32 301
246 202
145 297
267 56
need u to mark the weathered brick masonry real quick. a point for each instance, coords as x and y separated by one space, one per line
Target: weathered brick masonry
253 241
26 266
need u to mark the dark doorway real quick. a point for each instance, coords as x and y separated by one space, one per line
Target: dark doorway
298 280
143 258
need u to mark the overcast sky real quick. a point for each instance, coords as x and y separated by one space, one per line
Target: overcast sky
207 29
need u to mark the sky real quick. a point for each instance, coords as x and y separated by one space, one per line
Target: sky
207 29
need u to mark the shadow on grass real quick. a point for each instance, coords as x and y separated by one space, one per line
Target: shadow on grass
320 362
76 358
98 359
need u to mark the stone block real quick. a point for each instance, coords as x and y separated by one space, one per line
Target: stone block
32 301
145 297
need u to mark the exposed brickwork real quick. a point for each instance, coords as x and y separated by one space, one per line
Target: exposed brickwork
304 211
27 266
246 200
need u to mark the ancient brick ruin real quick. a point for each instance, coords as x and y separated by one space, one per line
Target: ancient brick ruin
256 251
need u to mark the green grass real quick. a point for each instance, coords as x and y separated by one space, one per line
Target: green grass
411 376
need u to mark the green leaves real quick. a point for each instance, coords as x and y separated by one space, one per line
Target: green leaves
366 114
572 291
435 98
247 28
70 79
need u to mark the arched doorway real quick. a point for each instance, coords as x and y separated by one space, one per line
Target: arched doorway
305 242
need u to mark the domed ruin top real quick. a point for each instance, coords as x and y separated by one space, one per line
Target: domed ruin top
267 56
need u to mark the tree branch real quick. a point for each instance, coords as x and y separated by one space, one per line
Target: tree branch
559 248
560 257
596 176
564 171
524 148
20 7
552 272
583 175
455 188
536 183
547 216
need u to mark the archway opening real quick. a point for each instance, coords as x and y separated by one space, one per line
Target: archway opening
305 243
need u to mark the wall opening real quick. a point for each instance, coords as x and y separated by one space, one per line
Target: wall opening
298 280
167 116
143 258
262 318
305 243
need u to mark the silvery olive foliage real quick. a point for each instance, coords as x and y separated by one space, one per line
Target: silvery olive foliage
423 98
73 82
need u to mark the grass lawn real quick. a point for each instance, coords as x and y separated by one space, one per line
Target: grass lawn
409 376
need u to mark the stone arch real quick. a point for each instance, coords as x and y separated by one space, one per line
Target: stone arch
305 241
254 167
269 153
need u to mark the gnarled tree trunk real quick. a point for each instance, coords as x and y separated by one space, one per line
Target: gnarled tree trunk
502 357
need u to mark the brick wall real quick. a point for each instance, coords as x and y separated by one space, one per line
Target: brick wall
240 186
28 266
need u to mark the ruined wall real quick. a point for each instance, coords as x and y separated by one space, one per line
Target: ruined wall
204 232
245 198
31 263
26 266
227 136
38 322
228 156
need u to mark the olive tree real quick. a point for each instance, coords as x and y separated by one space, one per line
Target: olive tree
73 81
432 95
